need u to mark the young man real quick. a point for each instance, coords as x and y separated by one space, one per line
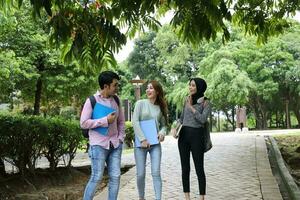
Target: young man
104 148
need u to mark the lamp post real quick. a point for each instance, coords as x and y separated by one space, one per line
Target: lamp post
137 82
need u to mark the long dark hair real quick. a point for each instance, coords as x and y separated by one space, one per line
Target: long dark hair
160 99
200 86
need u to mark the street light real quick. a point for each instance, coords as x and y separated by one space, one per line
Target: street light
137 82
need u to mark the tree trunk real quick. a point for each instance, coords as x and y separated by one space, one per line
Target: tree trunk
297 114
260 115
277 120
39 86
211 120
287 114
264 122
11 99
232 116
264 119
271 121
219 125
38 95
228 117
2 168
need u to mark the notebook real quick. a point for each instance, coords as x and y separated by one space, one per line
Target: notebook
101 111
150 131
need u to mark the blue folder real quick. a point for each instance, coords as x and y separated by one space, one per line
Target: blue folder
150 131
101 111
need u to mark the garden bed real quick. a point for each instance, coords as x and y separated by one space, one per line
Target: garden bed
63 183
289 146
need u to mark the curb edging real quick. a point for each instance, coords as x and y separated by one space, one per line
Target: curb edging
268 185
291 186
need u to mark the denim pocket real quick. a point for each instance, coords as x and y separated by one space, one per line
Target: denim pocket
94 151
98 152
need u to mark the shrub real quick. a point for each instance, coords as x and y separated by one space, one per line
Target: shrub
25 138
129 138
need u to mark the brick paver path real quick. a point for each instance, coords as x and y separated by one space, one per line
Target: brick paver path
237 168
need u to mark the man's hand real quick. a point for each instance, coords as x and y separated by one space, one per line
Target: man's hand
111 117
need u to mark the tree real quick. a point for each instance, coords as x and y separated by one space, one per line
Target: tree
228 85
270 72
249 58
9 70
90 30
177 60
161 56
290 43
143 59
34 71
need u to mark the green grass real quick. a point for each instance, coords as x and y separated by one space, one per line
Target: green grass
289 144
287 135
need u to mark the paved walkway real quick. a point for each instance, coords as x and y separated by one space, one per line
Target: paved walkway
237 168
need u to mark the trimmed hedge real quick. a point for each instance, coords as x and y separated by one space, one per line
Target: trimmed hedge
23 139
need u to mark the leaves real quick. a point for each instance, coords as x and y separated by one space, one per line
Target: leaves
25 55
194 21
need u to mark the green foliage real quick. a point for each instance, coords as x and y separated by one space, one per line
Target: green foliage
240 73
27 60
90 31
164 58
229 84
129 138
25 138
263 75
9 70
143 60
178 95
68 112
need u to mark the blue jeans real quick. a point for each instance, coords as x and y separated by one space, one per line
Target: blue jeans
140 155
99 156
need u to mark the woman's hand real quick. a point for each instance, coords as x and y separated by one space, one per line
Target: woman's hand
189 103
145 144
161 137
173 132
205 103
189 100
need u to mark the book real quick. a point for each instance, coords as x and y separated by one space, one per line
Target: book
101 111
150 131
176 128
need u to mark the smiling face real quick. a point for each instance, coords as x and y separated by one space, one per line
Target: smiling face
192 87
150 91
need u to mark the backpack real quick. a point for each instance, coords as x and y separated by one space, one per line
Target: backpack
85 132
